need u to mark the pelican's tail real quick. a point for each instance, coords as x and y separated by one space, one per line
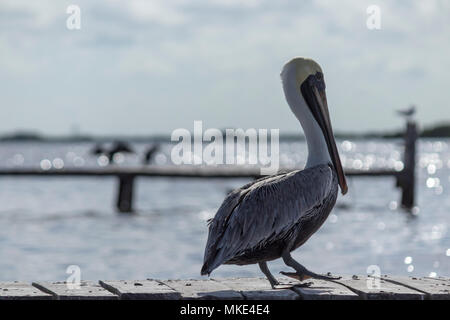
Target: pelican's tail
211 262
208 267
205 270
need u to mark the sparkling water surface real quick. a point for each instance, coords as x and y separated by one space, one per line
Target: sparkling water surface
48 224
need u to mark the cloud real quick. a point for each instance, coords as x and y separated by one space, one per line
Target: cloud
34 14
228 54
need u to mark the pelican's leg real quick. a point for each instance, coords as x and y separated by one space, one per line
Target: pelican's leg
302 273
266 271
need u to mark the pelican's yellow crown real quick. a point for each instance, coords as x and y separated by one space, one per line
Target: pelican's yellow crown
304 67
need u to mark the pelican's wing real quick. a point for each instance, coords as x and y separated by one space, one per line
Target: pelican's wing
264 210
234 198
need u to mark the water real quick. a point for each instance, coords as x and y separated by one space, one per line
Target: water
47 225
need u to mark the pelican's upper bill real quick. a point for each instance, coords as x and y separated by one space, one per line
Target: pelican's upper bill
304 67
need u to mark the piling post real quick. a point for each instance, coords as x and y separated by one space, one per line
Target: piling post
125 194
407 180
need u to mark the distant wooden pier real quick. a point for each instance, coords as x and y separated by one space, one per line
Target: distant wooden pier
405 178
126 176
347 288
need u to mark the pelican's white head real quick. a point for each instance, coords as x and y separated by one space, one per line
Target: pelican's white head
301 68
304 88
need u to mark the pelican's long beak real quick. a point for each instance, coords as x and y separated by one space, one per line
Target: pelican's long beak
314 93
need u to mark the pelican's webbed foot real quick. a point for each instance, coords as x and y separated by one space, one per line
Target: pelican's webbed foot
301 272
299 277
308 275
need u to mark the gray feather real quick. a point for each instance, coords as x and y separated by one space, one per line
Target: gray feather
265 211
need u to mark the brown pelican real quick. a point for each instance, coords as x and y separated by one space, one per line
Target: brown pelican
270 217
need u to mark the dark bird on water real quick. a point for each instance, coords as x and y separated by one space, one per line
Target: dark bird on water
117 147
97 150
269 218
150 153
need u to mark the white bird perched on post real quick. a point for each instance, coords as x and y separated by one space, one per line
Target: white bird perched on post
408 113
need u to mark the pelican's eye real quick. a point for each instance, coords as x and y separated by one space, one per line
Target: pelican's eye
316 80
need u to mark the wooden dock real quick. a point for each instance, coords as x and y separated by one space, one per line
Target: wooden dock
127 176
347 288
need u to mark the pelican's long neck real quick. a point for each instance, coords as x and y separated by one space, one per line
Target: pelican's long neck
317 146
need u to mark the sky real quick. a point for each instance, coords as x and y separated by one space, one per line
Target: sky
139 67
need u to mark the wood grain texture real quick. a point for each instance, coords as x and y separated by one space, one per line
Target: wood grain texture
203 289
434 288
21 291
141 290
259 289
87 290
366 288
319 289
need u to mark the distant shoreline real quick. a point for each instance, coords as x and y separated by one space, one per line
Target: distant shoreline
436 131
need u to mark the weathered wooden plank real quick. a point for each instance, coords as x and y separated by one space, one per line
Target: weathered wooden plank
258 289
140 290
447 280
21 291
320 289
203 289
87 290
236 288
365 288
435 289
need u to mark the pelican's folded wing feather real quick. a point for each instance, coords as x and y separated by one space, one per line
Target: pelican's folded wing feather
264 210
